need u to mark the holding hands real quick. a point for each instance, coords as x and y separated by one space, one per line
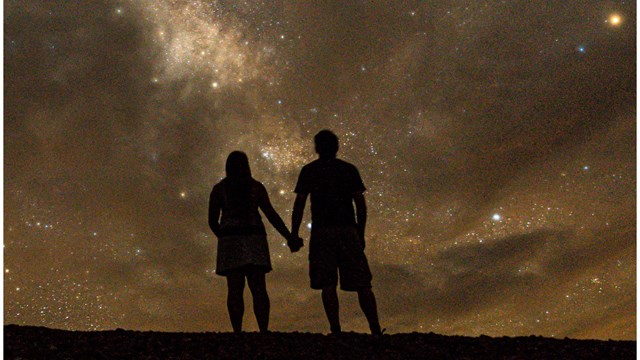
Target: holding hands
295 242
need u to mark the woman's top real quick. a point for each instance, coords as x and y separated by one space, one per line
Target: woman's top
242 239
239 207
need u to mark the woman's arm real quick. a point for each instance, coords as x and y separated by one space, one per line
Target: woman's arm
214 211
265 205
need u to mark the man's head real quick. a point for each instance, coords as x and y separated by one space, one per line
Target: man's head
326 144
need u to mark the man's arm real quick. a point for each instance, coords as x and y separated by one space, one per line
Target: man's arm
298 211
361 215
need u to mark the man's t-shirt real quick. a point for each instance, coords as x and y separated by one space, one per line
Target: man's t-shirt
332 184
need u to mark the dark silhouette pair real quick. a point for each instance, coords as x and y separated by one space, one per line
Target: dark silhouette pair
337 235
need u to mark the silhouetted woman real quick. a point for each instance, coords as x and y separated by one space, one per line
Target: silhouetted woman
243 251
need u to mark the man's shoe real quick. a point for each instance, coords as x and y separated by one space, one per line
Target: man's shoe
376 331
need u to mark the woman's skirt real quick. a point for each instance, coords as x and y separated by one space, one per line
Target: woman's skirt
238 251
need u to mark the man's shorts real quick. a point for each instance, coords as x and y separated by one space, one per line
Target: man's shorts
338 248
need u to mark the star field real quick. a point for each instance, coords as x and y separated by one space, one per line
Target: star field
496 140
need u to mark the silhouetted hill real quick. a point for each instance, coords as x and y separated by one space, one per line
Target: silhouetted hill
26 342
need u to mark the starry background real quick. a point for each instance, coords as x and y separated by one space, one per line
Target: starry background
497 140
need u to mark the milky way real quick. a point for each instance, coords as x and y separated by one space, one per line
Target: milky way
497 141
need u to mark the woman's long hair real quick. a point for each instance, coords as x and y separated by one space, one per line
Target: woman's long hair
239 176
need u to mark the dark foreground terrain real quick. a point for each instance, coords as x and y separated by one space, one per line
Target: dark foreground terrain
25 342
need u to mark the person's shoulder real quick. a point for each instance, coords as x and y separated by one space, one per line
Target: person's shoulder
312 164
219 185
343 163
310 167
217 189
346 165
257 186
256 183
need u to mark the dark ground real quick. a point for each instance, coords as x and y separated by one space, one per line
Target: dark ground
26 342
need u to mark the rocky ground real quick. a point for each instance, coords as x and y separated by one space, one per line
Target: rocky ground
25 342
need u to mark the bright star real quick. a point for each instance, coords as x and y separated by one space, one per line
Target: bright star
614 20
496 217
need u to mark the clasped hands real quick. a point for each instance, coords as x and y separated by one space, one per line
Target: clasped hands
295 242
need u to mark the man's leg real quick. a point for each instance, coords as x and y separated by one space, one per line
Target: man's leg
323 272
261 304
331 307
368 305
235 302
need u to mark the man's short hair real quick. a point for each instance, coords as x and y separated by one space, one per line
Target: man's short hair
326 143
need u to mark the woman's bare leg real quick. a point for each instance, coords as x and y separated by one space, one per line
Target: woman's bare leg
261 303
235 301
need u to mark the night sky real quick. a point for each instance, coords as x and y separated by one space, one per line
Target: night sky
497 141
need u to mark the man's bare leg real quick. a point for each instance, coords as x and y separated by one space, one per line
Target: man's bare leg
331 307
368 305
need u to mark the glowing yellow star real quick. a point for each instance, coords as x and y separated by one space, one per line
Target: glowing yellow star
615 20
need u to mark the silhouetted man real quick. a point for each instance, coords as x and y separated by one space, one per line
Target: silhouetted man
337 232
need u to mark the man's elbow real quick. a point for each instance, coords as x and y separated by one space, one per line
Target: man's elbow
360 202
297 208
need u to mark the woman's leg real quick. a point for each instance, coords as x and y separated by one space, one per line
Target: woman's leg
235 302
261 304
